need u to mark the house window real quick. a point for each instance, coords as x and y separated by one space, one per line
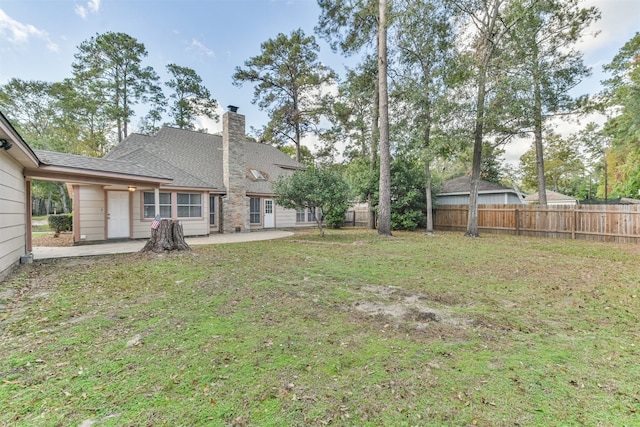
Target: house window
306 215
300 214
150 205
311 215
258 175
212 209
254 210
189 205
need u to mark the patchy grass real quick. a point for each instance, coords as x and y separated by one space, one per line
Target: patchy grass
40 225
351 329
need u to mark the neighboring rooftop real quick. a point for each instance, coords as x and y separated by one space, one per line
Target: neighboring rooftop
552 197
462 185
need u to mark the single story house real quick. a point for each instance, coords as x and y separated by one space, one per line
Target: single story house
456 192
211 183
553 199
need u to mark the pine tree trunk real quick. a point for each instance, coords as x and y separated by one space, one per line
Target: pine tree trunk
167 237
384 202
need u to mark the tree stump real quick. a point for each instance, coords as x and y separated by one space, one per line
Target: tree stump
167 236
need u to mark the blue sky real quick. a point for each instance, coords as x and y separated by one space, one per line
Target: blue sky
38 38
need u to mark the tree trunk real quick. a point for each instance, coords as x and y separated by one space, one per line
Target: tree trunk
537 130
63 197
373 155
486 49
168 236
427 172
472 223
384 204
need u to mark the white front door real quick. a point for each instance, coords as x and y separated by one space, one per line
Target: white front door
269 217
117 214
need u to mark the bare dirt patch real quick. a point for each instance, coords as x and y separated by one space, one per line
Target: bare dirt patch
411 308
49 240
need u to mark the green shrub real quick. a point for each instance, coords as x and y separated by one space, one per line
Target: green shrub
61 222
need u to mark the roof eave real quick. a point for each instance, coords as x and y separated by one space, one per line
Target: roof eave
60 173
25 153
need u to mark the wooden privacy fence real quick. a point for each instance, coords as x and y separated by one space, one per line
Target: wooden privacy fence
610 223
357 217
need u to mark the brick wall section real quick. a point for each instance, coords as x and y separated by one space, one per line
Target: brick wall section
235 205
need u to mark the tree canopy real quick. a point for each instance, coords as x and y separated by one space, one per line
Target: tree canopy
321 190
289 82
189 97
622 96
110 67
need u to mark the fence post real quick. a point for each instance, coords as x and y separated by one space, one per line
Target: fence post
517 222
573 222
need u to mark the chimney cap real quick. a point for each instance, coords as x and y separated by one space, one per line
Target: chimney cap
233 108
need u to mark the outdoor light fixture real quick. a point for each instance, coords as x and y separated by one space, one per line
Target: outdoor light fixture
5 144
132 188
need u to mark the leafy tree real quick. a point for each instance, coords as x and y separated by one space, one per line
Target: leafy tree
321 189
352 111
350 25
542 43
564 169
289 80
593 144
34 107
426 51
31 106
622 96
189 97
489 23
306 156
491 169
110 67
408 201
363 180
85 121
355 124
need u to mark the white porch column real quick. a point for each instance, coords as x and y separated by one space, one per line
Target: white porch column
156 200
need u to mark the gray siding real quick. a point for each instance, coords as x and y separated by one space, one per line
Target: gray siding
13 217
92 218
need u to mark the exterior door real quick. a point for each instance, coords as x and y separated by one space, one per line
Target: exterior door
269 217
117 214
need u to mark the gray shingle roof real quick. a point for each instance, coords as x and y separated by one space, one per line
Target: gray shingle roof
74 161
463 185
194 159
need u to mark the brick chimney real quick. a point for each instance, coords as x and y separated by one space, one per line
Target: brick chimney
235 205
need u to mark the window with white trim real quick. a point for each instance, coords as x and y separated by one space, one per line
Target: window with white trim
149 205
254 210
189 205
300 215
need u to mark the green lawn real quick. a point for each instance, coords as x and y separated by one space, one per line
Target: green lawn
349 330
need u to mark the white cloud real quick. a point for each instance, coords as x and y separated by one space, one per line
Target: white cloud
619 19
81 11
211 126
18 33
197 46
92 6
